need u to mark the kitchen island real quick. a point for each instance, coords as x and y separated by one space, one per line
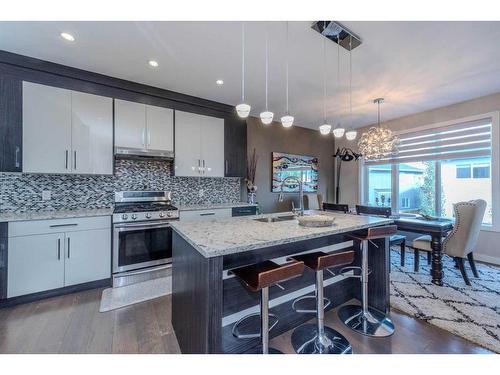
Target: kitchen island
207 301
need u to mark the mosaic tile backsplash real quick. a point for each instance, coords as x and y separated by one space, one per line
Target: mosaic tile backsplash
23 192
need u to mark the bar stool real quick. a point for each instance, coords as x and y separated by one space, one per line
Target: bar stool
363 319
259 277
316 338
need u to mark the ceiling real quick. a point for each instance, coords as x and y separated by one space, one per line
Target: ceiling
415 66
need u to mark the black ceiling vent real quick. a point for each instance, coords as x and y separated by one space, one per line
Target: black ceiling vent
335 31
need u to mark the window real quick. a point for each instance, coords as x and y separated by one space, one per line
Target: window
417 187
481 171
463 171
435 168
379 185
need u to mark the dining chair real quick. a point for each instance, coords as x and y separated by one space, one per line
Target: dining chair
313 201
462 240
335 207
396 239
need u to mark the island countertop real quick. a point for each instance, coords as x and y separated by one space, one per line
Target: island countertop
218 237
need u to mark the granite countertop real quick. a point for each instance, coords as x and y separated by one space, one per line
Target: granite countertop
212 206
234 235
61 214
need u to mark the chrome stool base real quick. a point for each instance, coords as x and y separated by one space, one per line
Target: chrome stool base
305 340
258 350
372 323
307 304
248 327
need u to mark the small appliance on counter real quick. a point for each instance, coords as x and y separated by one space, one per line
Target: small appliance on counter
142 236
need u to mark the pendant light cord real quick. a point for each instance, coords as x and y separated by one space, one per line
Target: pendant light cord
267 63
338 64
243 62
324 80
350 78
287 110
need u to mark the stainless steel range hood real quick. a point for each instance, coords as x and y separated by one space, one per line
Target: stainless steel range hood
137 153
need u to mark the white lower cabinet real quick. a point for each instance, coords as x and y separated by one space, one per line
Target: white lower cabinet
51 254
85 259
35 264
218 213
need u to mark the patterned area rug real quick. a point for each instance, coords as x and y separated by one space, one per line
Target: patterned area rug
472 312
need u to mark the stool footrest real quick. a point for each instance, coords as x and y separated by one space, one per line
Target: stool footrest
254 332
303 309
355 269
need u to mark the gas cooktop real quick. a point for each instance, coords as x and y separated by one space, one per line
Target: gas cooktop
143 206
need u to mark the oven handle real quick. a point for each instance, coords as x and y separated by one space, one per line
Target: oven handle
142 225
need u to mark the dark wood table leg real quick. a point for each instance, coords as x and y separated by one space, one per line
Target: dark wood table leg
437 265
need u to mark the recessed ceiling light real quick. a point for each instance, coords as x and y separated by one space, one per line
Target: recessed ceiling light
68 37
153 63
219 82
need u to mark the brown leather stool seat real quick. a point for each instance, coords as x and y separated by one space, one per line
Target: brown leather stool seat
259 277
363 319
262 275
320 260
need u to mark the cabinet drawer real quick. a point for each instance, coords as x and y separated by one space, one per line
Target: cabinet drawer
32 227
218 213
244 211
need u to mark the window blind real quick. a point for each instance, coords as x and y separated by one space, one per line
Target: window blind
464 140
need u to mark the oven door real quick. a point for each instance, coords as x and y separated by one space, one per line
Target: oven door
139 245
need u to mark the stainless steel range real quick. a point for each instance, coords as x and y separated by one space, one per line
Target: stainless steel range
142 236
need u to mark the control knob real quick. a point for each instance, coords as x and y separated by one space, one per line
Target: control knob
124 216
148 215
162 214
134 216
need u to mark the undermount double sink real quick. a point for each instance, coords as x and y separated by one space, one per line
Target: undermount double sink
275 219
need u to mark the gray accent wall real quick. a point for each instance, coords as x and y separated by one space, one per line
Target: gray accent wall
267 139
22 192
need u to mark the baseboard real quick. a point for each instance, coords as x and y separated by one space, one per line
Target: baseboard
54 292
487 259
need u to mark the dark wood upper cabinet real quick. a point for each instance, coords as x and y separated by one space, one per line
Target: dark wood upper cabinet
11 124
235 147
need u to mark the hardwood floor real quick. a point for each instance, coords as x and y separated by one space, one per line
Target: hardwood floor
73 324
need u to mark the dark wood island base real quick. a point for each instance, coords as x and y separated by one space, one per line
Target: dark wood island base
206 302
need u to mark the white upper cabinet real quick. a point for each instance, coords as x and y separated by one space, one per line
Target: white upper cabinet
91 133
46 129
144 128
199 145
130 124
159 128
66 131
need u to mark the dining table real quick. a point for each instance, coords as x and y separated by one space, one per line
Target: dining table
437 228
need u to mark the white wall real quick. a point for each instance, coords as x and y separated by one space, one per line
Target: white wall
487 248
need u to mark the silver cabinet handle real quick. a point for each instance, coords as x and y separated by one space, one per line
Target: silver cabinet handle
74 158
149 137
69 247
207 214
144 137
199 166
58 249
16 158
227 167
203 169
63 225
66 159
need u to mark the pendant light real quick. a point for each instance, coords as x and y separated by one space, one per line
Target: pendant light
243 109
351 134
338 131
378 142
287 120
267 116
325 128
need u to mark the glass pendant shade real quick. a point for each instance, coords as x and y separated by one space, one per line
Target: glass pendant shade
266 117
351 135
287 121
325 129
338 132
243 110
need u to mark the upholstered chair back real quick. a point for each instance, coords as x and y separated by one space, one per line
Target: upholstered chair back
463 238
313 201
